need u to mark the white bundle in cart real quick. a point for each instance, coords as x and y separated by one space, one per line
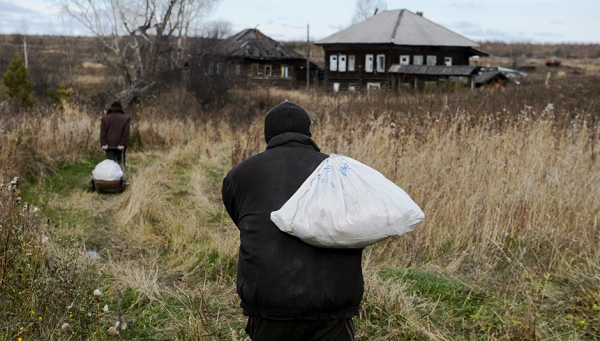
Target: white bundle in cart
107 170
347 204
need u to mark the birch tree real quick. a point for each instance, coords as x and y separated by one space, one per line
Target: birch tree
139 38
366 8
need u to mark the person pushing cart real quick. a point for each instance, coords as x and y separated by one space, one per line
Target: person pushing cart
114 133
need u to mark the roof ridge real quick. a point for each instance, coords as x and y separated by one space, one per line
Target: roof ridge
395 30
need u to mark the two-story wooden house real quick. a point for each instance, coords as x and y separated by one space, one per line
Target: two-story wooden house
360 56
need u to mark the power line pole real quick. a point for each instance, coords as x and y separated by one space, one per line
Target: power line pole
307 59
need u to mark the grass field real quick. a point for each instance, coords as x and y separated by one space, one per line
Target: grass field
507 180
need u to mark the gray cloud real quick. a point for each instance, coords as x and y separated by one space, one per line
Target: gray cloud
336 27
547 34
9 7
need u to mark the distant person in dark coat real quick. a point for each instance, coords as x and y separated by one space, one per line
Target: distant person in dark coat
290 290
114 133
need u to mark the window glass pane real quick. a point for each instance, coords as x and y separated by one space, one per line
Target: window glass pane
342 63
448 61
418 60
404 60
351 63
333 62
369 63
380 63
431 60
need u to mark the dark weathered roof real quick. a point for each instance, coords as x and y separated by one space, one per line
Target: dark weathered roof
486 76
398 27
434 70
251 43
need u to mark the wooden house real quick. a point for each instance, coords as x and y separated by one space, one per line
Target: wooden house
361 55
257 60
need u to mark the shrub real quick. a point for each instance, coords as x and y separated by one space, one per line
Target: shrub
17 82
59 96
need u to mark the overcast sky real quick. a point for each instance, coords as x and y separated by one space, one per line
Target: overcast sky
548 21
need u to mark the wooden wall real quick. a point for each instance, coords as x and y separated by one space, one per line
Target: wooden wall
359 78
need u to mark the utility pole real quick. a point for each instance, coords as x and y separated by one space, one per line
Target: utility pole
307 59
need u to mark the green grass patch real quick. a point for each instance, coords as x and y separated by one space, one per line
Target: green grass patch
66 178
472 312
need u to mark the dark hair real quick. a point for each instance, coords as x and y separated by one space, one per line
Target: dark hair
116 105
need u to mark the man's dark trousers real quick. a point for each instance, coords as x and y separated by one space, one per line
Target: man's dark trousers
116 155
261 329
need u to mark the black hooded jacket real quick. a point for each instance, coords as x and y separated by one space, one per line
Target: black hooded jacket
280 276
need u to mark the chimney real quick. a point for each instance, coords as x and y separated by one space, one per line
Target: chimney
420 14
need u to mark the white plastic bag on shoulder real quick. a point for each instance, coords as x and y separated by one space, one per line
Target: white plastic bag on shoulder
107 170
347 204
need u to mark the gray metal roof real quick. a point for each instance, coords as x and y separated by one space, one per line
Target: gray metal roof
399 27
487 76
253 44
434 70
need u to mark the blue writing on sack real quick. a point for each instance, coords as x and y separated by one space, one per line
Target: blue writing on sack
324 180
344 169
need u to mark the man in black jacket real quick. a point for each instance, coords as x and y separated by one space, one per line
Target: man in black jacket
289 289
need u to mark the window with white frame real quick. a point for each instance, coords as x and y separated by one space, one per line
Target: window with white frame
417 60
380 63
351 61
342 63
448 61
333 62
431 60
285 71
404 59
268 70
369 63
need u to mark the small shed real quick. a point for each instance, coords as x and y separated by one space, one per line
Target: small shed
491 78
420 76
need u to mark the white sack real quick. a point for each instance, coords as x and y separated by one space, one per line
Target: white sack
346 204
107 170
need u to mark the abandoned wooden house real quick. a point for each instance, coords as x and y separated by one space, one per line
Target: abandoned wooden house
361 55
258 60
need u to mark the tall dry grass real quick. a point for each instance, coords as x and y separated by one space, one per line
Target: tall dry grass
506 180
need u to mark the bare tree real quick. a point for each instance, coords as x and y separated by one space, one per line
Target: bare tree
139 38
218 29
366 8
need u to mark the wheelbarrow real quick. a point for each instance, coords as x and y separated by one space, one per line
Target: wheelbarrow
115 186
